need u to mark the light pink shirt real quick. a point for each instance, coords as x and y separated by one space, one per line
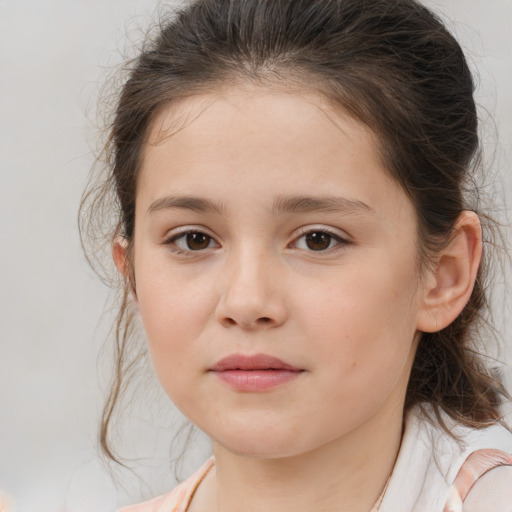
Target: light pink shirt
433 473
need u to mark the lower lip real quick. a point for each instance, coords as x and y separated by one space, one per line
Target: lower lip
256 380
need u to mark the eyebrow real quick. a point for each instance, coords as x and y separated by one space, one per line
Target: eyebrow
305 204
196 204
281 205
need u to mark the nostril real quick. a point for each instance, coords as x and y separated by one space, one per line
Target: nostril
264 320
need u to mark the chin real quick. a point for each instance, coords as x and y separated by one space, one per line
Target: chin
261 441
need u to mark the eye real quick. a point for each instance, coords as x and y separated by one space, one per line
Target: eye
192 241
318 240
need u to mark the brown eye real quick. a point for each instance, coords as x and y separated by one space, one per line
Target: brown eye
318 241
191 241
197 241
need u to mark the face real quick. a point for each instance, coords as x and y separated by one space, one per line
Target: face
275 270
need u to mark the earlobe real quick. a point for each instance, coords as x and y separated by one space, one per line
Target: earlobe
449 285
119 255
121 259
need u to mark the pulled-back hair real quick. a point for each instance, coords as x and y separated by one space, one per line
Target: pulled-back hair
390 64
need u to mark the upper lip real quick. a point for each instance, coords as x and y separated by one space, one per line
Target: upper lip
251 362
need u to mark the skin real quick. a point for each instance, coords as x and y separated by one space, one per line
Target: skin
348 316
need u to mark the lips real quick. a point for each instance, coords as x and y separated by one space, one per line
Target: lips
255 362
254 373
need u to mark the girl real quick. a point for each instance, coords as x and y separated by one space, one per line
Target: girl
296 233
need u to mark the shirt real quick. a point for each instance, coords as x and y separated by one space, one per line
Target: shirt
434 472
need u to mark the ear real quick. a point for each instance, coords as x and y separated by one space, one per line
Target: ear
121 260
448 287
119 255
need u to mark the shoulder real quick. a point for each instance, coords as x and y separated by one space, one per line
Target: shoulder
457 448
480 469
434 469
492 491
151 505
176 500
485 478
173 501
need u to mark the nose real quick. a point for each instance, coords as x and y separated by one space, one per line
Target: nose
251 294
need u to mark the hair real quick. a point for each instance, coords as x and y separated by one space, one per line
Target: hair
390 64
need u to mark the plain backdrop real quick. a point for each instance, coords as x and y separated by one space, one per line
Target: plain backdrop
54 54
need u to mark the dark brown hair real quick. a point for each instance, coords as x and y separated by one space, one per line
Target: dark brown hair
390 64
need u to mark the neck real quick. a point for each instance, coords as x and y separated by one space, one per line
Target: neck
346 475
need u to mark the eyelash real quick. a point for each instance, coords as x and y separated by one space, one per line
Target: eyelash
187 252
340 241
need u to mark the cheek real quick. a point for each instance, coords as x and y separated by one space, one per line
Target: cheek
363 321
174 312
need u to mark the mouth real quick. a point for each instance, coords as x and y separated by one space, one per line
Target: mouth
254 362
254 373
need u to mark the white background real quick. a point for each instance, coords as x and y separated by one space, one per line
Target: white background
53 56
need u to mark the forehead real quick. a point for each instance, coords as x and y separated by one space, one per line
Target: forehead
258 107
296 140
